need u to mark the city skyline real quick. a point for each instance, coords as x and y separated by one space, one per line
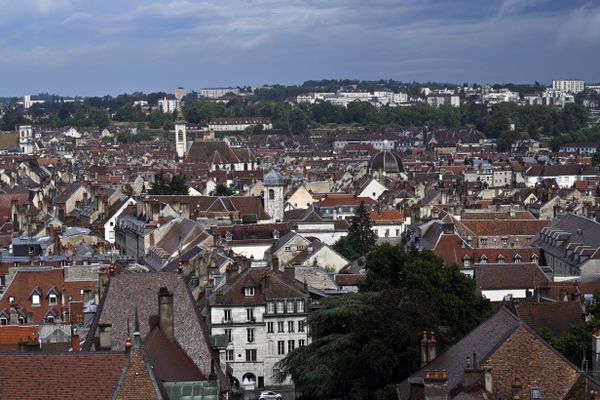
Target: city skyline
96 48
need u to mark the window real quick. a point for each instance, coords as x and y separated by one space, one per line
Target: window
249 291
280 307
3 321
226 315
281 347
52 299
536 394
504 241
300 326
483 260
280 327
517 259
288 248
50 319
271 307
300 306
11 299
290 326
229 335
270 327
290 307
466 263
301 343
250 335
35 299
250 314
271 194
251 355
291 345
21 320
483 241
228 355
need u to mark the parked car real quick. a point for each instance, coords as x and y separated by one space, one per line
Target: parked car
270 396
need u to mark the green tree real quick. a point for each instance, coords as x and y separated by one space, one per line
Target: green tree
596 157
361 233
222 190
364 343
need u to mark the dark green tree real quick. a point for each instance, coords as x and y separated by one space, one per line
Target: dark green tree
222 190
361 234
362 344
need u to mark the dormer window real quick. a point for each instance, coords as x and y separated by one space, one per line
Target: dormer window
517 259
228 236
483 260
249 291
50 319
483 241
275 234
3 321
52 299
21 320
35 300
500 259
11 299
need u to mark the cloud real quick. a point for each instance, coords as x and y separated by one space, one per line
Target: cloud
512 7
581 28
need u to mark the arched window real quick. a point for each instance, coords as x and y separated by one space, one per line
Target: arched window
271 194
249 379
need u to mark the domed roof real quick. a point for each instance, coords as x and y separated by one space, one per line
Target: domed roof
273 178
386 161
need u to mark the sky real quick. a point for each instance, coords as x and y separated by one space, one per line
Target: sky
99 47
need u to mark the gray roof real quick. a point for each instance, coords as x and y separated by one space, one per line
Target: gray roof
273 178
130 291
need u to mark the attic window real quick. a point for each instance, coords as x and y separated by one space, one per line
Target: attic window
52 299
536 394
3 321
11 299
517 259
228 236
35 299
249 291
50 319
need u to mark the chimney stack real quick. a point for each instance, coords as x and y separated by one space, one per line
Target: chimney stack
436 386
431 347
166 315
474 375
275 263
231 271
428 348
104 342
290 271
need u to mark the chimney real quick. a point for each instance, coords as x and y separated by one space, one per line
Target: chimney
423 349
275 263
166 313
231 272
482 376
431 347
290 271
219 296
105 343
75 346
596 353
436 386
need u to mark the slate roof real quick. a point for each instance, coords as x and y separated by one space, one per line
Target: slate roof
508 276
127 291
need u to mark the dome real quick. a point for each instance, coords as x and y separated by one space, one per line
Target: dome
386 161
273 178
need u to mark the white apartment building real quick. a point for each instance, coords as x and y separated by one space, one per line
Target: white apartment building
214 93
501 96
261 313
437 100
169 105
569 85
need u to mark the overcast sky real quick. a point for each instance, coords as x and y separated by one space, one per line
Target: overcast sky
97 47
